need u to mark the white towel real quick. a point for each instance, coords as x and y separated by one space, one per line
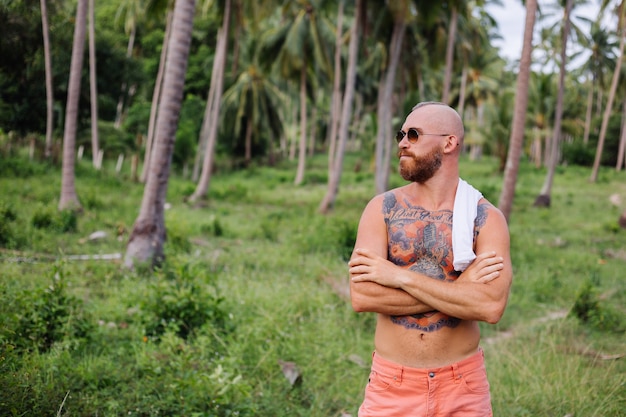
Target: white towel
463 217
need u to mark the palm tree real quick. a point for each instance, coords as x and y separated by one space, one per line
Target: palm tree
543 200
458 9
541 109
93 89
156 98
335 107
601 59
49 92
296 48
519 114
208 132
69 198
133 11
622 139
346 114
253 101
147 238
400 12
621 27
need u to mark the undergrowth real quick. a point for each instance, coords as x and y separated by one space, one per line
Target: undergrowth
252 282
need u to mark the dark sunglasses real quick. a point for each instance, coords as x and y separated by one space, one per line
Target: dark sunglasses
413 135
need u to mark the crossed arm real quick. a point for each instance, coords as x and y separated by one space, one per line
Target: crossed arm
480 292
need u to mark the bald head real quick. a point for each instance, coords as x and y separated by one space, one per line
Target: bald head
442 115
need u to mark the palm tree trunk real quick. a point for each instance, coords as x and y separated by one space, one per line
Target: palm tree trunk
335 109
383 140
93 88
119 110
622 140
147 238
462 91
211 124
609 107
69 198
248 142
447 81
543 199
303 124
346 114
156 99
516 140
49 92
204 129
589 111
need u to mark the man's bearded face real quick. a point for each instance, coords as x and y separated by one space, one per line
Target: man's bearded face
420 168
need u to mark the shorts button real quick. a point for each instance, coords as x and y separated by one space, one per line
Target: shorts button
431 374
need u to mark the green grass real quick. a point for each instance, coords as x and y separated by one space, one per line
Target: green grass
247 275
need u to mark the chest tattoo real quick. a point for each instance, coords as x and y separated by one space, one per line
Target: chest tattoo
421 241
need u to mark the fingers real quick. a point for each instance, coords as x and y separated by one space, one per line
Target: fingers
360 257
488 277
487 259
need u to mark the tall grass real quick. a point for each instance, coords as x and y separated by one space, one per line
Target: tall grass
247 286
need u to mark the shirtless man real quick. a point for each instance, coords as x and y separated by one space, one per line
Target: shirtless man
427 360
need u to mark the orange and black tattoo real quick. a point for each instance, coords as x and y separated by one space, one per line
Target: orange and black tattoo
421 241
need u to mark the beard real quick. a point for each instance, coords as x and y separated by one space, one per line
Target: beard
420 168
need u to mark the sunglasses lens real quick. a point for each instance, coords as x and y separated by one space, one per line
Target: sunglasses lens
399 136
413 135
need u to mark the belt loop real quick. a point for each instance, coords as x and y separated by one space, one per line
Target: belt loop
456 375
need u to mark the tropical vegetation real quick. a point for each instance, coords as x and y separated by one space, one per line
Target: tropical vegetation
181 183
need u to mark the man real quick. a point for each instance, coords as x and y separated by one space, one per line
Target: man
427 360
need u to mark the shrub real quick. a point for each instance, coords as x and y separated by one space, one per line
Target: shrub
182 300
49 218
578 153
589 309
7 224
46 316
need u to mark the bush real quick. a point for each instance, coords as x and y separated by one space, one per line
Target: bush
7 224
578 153
182 301
47 316
49 218
589 309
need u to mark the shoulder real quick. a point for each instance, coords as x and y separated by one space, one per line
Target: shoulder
386 200
490 219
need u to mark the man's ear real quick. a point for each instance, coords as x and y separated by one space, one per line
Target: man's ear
452 143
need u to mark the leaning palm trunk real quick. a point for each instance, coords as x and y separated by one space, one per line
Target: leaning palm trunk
156 98
69 198
49 93
608 108
516 140
543 199
210 124
346 114
383 143
147 238
622 140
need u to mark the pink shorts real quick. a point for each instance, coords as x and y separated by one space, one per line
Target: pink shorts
459 390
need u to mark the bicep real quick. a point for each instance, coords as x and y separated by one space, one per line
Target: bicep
493 235
372 231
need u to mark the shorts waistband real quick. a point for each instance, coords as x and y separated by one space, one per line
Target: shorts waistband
454 370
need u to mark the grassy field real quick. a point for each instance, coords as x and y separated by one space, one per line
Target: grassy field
253 282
